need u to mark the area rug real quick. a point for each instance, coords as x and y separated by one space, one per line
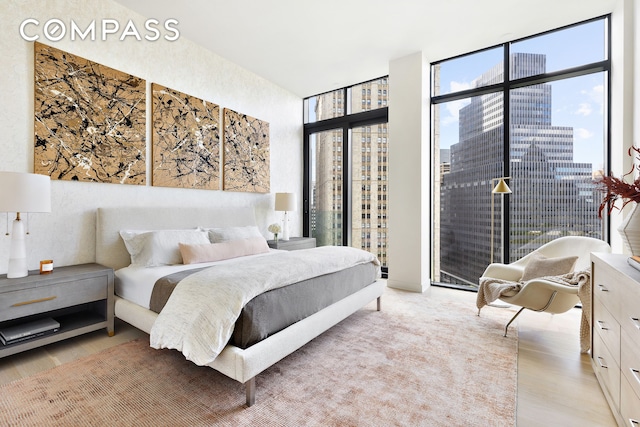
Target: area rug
421 361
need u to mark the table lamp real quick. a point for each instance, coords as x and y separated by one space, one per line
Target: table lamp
22 193
285 202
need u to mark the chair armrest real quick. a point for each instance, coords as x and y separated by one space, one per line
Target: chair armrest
507 272
554 286
538 294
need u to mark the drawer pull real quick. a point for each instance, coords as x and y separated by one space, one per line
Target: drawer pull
603 288
602 363
634 423
33 301
636 374
636 322
601 325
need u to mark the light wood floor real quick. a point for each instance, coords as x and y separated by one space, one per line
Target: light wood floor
556 385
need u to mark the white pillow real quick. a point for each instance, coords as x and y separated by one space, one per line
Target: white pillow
219 235
159 247
192 254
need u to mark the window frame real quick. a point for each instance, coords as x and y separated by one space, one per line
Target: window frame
507 85
346 122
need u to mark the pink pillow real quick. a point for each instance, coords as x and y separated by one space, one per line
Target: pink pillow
208 252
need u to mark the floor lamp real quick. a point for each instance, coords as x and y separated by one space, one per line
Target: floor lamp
501 188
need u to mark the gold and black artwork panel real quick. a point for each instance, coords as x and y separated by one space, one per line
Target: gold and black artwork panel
186 140
89 120
246 153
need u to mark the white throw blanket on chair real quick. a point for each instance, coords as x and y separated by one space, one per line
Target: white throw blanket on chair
491 289
199 317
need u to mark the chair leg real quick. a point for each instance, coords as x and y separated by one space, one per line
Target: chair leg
512 319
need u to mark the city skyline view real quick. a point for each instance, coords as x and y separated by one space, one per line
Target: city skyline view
553 190
578 102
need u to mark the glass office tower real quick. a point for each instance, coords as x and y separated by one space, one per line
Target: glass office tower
552 195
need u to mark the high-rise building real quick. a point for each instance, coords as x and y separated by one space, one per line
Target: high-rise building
369 151
552 194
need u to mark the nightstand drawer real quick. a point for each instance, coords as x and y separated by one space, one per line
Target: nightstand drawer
59 295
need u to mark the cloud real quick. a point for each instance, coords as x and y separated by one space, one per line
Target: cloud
584 109
582 133
598 90
596 96
453 107
458 86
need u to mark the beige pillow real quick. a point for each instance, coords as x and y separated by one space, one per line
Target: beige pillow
196 253
540 266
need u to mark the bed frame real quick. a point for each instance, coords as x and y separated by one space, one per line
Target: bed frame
239 364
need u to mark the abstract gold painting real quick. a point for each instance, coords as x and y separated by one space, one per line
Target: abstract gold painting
89 120
186 140
246 153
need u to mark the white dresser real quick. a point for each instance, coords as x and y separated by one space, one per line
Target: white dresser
615 334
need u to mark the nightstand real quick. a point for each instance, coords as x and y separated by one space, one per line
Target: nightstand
293 244
79 297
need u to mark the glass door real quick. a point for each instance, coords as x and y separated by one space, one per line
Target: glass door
326 202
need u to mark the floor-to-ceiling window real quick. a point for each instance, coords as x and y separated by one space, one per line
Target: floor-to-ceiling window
533 112
346 167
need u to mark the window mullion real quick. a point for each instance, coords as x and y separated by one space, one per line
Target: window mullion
506 149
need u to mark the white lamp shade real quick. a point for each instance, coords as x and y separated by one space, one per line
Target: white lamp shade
285 202
24 192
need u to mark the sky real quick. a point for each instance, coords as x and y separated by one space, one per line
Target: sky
577 102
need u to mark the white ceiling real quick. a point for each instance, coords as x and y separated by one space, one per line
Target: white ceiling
312 47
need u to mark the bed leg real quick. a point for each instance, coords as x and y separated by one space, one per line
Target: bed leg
250 388
379 300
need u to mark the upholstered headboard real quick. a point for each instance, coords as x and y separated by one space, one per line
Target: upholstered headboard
110 249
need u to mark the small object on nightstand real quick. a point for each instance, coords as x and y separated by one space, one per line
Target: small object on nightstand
294 243
275 229
46 266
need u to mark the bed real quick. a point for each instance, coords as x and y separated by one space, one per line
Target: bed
241 361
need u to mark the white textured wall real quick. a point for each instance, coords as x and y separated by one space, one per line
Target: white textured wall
67 233
623 99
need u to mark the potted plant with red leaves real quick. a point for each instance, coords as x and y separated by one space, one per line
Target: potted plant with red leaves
628 192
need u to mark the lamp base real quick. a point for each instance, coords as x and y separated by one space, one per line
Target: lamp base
285 227
17 252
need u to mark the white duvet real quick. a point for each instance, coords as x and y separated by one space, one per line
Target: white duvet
135 283
199 317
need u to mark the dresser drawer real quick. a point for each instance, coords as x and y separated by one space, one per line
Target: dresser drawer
630 310
607 371
630 361
605 325
26 302
606 288
629 405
